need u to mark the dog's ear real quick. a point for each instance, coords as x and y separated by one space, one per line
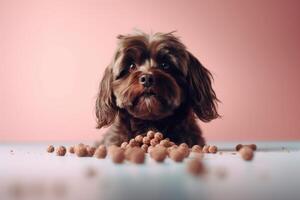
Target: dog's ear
106 109
202 96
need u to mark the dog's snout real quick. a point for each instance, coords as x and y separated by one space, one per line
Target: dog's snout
146 80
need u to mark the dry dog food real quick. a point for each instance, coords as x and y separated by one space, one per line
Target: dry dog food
100 152
197 149
71 149
124 145
90 151
118 156
159 136
195 167
61 151
252 146
137 156
247 153
139 139
158 153
150 134
145 147
80 150
205 149
50 149
176 155
212 149
153 143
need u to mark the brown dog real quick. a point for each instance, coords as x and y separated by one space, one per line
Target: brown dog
154 83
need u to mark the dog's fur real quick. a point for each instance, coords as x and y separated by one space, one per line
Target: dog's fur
181 91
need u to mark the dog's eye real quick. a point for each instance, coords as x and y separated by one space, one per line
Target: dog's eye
132 67
164 65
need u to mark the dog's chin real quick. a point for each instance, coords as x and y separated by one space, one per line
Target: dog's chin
150 106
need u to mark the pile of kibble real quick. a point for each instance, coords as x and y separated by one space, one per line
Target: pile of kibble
153 143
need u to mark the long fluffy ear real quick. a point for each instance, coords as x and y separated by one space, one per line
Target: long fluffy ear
202 95
106 109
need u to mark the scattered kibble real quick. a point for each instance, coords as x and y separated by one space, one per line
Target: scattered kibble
61 151
146 140
246 153
195 167
212 149
139 139
158 154
50 149
154 142
124 145
71 149
138 156
150 134
90 151
197 149
145 147
136 148
205 149
100 152
118 156
252 146
176 155
80 150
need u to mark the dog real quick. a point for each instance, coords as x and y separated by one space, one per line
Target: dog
155 83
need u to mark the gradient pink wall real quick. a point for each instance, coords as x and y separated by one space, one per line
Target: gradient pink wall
53 54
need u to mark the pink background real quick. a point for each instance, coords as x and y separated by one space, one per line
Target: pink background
53 54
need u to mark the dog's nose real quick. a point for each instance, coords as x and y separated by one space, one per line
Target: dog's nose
146 80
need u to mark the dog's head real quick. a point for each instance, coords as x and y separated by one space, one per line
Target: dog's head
150 77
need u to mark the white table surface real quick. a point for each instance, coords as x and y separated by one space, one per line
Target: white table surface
27 171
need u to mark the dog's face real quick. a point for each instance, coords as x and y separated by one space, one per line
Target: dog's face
150 77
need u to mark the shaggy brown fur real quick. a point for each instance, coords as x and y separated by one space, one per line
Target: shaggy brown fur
154 83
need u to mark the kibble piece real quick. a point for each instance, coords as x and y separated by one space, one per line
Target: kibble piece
158 154
176 155
100 152
195 167
118 156
71 149
80 150
205 149
61 151
184 150
159 136
50 149
172 148
133 143
150 148
212 149
145 147
197 149
150 134
146 140
154 142
253 147
128 152
90 151
124 145
165 143
238 147
246 153
184 145
139 139
137 156
112 148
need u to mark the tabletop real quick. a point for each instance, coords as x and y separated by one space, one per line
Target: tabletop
27 171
